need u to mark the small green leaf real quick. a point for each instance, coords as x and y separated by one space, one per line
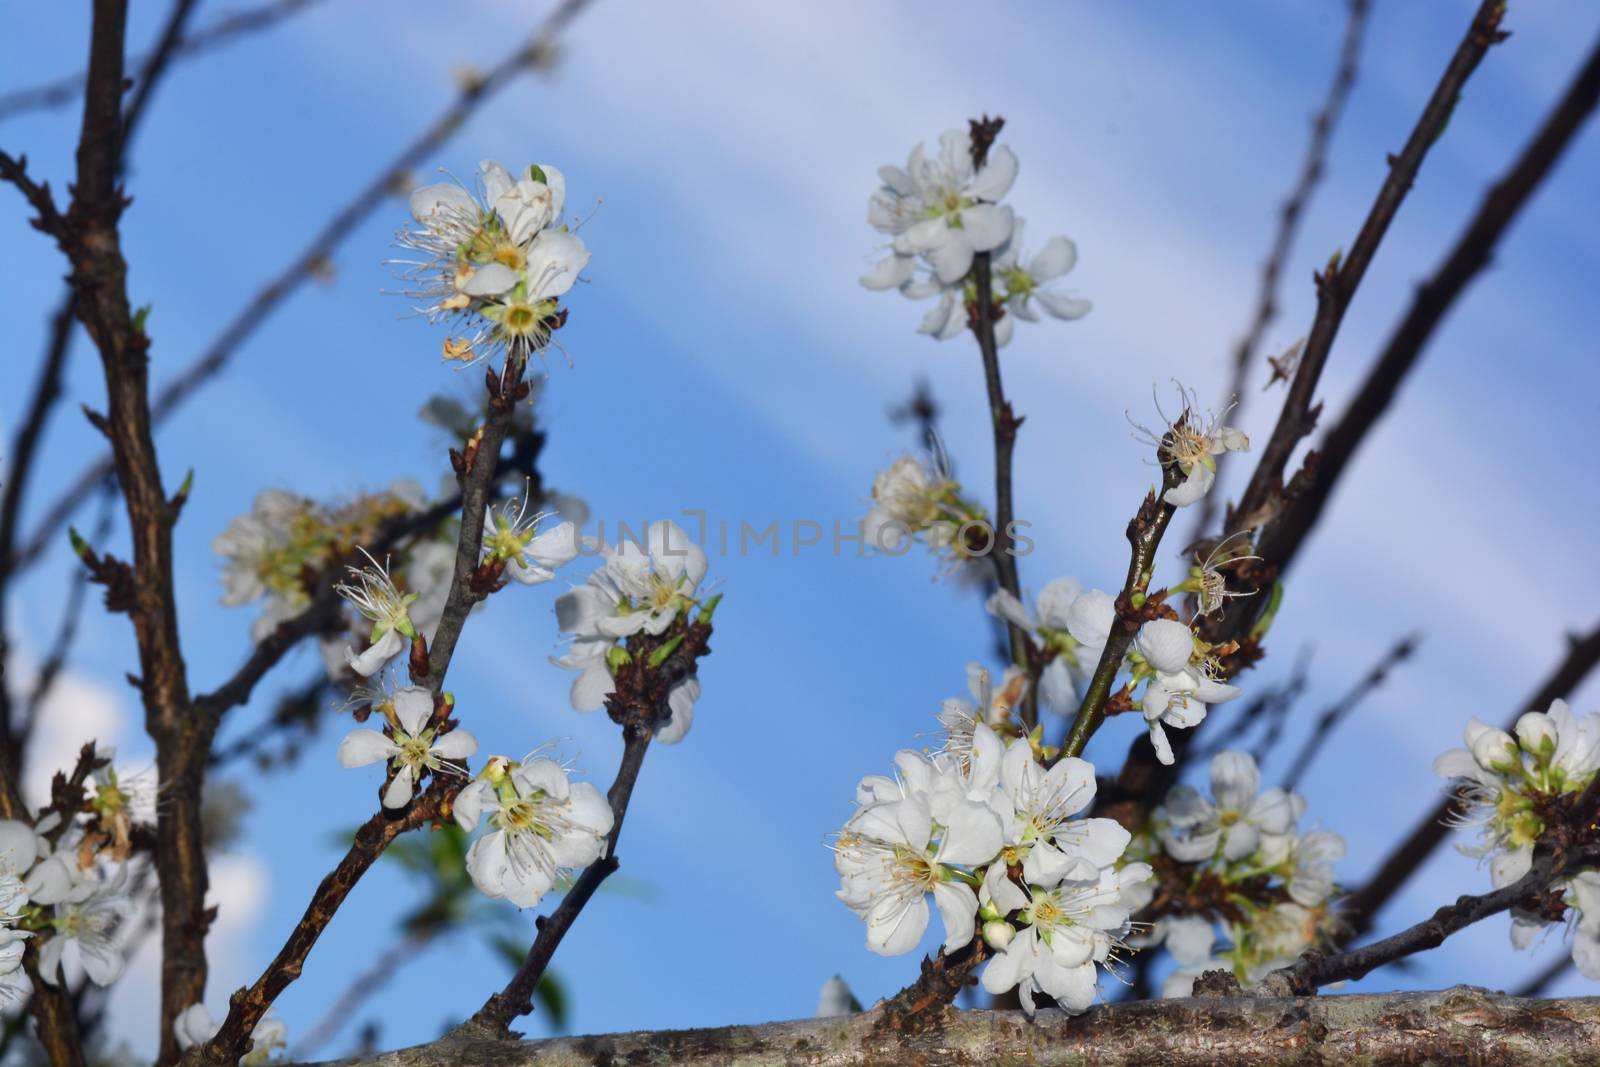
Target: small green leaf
662 654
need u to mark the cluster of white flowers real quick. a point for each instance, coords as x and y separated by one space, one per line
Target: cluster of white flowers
1072 626
916 497
495 262
941 211
638 589
195 1026
540 822
14 984
68 886
988 831
1176 667
269 552
1273 885
1511 787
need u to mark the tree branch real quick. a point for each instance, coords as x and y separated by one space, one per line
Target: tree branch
1456 1025
531 53
1337 284
1289 215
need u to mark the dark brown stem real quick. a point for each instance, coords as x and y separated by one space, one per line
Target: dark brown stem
1336 712
1144 537
247 1006
1289 216
1338 282
1283 537
638 705
1362 907
1314 970
531 53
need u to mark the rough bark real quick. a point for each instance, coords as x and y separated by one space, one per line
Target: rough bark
1459 1025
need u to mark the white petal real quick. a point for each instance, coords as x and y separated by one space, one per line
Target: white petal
445 197
999 172
1058 256
986 226
491 279
361 747
398 794
1235 780
1189 938
458 744
958 907
890 273
1062 307
413 706
895 926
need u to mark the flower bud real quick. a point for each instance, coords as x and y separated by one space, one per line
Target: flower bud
997 934
1166 644
1537 732
1494 750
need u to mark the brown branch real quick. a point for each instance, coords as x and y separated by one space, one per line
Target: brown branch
1473 250
1338 282
1459 1025
1314 970
67 89
247 1006
1336 712
1362 907
1144 537
638 705
1289 216
530 54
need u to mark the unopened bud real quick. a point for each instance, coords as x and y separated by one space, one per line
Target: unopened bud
1537 732
1494 750
997 934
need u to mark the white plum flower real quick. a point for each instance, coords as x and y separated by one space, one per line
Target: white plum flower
1026 285
86 923
540 823
1236 820
1181 701
1074 623
1190 939
497 260
430 568
195 1026
912 839
943 208
511 533
911 496
1191 444
373 593
636 590
1314 856
989 706
413 748
14 983
1036 808
1066 929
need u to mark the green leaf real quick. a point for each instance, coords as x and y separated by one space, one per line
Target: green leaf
552 996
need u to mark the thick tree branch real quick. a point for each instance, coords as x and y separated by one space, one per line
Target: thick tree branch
1459 1025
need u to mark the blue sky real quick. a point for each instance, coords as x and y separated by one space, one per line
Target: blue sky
725 359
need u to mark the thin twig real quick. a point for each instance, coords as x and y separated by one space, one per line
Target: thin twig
67 89
1283 537
1289 216
1314 970
1336 712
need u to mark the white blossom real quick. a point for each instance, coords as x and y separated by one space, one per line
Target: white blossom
1192 443
511 533
944 209
373 593
540 823
195 1026
413 748
1235 821
911 839
86 923
1027 286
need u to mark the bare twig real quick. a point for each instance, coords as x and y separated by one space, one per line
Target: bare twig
67 89
1335 713
1283 537
1338 282
1289 215
1362 907
530 54
1314 970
